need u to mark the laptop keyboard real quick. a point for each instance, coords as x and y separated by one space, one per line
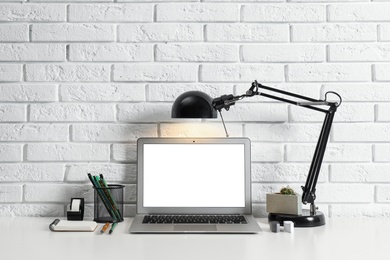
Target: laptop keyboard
194 219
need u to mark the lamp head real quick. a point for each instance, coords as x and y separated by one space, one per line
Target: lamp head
193 104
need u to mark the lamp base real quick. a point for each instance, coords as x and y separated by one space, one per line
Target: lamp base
304 220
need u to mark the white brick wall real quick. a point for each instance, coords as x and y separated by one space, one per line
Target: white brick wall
82 80
76 32
111 13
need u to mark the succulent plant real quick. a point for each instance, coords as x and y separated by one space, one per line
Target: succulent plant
287 191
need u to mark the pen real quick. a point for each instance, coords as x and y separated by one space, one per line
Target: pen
104 228
112 227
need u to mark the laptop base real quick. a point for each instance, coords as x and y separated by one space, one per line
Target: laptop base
251 227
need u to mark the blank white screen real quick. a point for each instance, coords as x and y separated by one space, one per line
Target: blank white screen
194 175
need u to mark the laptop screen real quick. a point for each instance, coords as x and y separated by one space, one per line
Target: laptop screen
205 175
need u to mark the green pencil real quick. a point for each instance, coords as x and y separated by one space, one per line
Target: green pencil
105 198
110 197
112 227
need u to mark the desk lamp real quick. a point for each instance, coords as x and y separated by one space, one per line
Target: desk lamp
198 105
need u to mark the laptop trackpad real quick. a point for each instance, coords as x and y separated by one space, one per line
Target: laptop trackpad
196 228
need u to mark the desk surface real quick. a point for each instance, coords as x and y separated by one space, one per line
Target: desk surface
30 238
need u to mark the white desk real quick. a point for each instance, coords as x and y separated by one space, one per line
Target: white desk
350 239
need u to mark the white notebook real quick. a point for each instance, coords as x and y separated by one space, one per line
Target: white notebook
78 226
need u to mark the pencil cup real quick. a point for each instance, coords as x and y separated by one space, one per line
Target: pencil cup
108 204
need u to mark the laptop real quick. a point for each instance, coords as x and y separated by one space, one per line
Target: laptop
194 185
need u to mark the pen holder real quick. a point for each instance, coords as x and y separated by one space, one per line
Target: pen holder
108 204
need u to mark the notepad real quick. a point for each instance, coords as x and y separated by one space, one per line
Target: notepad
73 226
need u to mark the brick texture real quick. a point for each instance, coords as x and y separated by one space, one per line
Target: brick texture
82 80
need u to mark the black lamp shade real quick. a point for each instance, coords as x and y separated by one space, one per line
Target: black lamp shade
193 104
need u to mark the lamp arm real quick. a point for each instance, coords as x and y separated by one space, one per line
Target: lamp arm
309 190
308 196
225 101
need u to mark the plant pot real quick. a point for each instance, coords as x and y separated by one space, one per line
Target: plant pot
284 204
